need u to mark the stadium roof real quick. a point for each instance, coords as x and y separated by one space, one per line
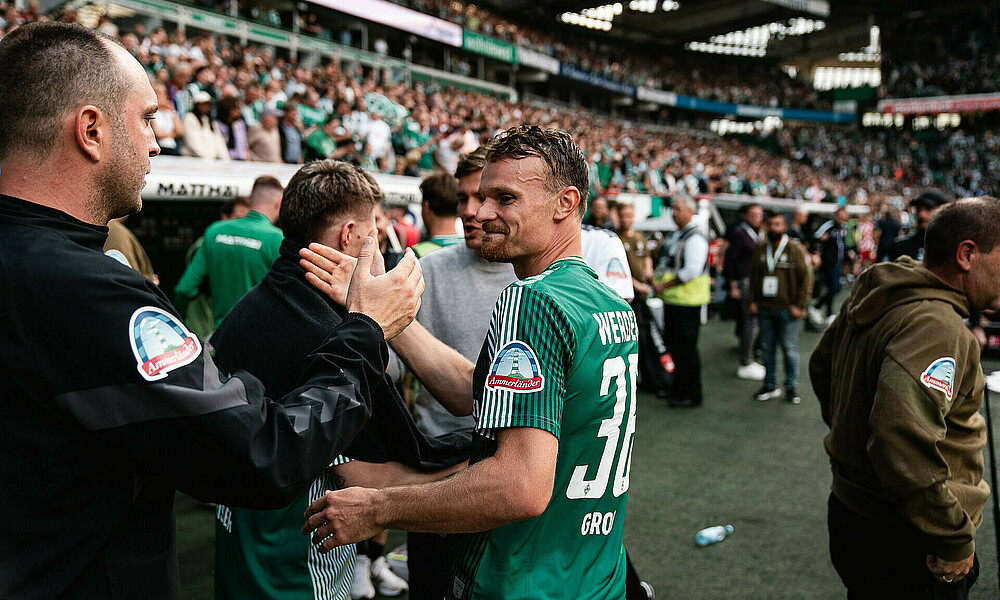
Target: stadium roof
674 23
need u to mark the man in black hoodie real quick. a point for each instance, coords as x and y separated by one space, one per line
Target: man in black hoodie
899 382
270 333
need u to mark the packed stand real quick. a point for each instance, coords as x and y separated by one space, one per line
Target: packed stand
934 56
219 100
965 162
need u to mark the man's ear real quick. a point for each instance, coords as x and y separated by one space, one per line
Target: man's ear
964 253
88 122
346 231
567 201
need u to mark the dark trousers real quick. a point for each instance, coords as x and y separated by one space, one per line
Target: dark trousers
749 327
829 278
680 328
882 562
429 566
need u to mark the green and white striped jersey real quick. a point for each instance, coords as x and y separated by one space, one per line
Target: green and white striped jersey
262 554
561 355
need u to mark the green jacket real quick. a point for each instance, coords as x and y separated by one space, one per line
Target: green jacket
899 383
791 267
235 256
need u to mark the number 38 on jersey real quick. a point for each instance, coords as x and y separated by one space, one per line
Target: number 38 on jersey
618 379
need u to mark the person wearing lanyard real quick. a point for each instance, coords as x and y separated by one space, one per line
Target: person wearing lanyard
780 286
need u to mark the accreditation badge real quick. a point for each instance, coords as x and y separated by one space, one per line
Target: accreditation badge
769 287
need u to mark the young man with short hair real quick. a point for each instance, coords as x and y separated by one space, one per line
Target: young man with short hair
236 253
270 333
439 212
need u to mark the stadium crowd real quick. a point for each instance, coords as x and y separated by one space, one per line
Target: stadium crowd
738 81
258 106
944 56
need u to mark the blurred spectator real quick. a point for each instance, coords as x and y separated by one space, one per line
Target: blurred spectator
290 130
830 244
202 138
264 139
600 214
378 144
322 143
888 229
439 212
167 126
741 239
233 128
924 206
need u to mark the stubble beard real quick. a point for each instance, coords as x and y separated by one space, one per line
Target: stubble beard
118 186
494 251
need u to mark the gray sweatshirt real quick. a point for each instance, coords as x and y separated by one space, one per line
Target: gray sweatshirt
456 307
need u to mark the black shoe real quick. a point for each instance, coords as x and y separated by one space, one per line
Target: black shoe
684 403
766 393
792 396
665 395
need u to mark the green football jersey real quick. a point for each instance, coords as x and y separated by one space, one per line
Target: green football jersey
262 554
561 355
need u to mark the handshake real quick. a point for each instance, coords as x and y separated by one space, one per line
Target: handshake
362 285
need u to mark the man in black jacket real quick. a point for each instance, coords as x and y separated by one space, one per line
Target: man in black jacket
109 403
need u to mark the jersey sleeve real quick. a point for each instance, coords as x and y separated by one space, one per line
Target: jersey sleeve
532 351
617 274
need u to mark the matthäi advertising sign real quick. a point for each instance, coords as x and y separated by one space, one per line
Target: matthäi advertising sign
487 46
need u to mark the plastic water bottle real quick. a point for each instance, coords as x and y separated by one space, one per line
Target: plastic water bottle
711 535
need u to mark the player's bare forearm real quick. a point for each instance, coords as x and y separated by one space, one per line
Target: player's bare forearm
358 473
512 485
439 367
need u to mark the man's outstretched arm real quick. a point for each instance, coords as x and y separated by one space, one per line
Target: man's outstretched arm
513 484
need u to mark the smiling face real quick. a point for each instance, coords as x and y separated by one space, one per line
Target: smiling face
517 209
119 181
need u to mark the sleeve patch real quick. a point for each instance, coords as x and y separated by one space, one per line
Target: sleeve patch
940 375
117 255
615 270
516 369
160 343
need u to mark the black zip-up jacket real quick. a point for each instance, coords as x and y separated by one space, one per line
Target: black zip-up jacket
108 404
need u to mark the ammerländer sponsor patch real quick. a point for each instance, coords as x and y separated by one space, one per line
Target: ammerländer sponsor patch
160 343
516 369
940 375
